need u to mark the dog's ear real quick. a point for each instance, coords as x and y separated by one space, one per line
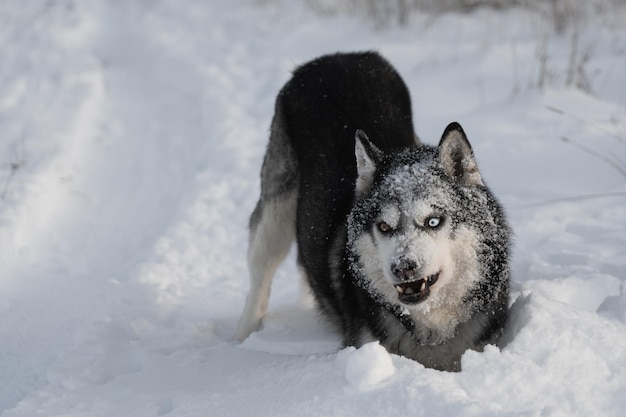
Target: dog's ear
368 156
457 158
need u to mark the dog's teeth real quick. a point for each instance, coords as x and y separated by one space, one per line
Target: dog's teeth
399 288
423 287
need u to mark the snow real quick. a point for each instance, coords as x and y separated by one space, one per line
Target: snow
368 366
133 134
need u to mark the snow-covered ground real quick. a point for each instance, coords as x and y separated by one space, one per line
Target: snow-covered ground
132 137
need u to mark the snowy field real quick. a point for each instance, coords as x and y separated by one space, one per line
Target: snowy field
132 138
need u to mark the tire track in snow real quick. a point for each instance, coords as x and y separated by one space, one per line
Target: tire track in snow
144 188
54 113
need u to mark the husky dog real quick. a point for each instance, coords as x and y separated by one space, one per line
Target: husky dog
399 241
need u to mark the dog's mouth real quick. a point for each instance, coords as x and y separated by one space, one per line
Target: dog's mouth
414 292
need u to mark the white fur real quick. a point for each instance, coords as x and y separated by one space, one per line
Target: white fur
453 147
433 251
269 244
443 310
366 167
391 216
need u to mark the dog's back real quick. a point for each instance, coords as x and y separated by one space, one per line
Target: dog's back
331 97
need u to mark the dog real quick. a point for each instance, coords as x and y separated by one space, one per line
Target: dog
399 241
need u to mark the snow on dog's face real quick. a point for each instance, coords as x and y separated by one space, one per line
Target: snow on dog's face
411 242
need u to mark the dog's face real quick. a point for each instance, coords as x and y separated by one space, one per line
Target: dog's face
413 251
413 247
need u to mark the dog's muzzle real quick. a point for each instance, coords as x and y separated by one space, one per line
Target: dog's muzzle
411 290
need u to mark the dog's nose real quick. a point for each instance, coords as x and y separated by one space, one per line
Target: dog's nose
405 270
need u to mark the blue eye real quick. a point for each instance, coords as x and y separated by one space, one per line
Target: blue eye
433 222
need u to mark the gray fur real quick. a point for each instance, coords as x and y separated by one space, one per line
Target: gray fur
272 225
279 174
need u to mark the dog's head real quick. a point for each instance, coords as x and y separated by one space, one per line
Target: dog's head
421 222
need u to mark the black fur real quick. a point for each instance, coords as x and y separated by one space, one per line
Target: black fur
321 108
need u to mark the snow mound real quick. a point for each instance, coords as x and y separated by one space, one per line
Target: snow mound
368 366
615 305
